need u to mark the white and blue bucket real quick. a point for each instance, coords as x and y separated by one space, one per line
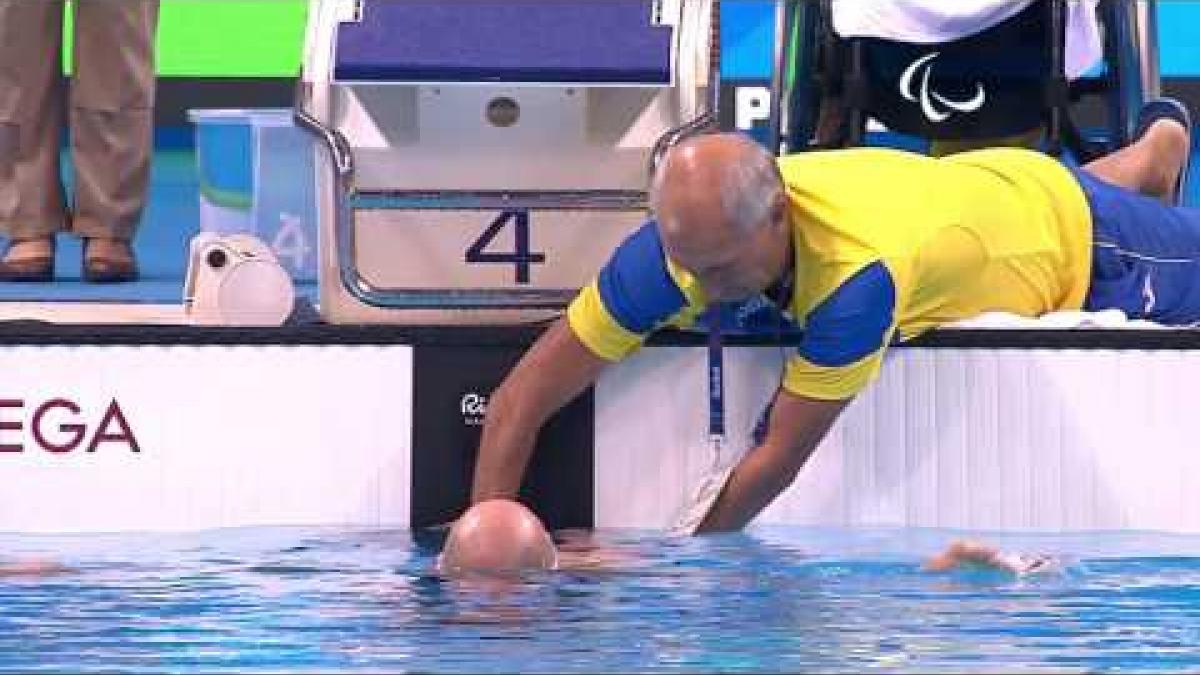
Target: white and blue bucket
256 176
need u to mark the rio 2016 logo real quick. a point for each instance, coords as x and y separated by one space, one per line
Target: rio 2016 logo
473 407
60 426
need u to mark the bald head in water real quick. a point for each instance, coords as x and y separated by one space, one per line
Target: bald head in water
721 208
496 537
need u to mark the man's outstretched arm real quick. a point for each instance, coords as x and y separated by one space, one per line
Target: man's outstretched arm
796 426
556 369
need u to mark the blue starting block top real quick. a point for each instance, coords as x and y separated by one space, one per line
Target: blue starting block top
518 41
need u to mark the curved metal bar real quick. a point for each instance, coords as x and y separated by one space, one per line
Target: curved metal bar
714 61
783 30
1127 27
800 58
1147 21
708 120
1056 22
599 200
339 148
673 137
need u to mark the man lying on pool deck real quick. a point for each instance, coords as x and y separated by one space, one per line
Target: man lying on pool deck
860 247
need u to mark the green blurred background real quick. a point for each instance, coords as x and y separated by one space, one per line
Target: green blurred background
225 38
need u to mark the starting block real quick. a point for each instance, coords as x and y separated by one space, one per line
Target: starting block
478 160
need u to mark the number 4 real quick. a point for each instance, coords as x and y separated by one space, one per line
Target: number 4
521 256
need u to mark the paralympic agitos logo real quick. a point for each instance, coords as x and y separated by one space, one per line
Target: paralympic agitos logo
61 426
935 107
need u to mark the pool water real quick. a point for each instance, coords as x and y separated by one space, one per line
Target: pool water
778 599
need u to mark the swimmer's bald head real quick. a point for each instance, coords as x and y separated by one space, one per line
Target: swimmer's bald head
497 536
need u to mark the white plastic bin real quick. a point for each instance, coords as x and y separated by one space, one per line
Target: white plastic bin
256 176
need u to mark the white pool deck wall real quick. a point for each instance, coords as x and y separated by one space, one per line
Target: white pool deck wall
225 435
232 436
981 439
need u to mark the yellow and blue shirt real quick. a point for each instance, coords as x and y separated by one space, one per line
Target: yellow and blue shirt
888 244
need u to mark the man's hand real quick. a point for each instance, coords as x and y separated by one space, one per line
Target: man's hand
796 427
556 369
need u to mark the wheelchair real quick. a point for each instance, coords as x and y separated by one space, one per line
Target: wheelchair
1004 81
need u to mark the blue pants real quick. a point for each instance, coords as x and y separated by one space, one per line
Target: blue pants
1145 255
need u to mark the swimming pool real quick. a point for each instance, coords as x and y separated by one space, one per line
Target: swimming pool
786 599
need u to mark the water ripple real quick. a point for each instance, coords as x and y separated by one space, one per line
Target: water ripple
788 601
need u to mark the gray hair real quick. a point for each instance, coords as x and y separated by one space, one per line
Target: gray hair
749 188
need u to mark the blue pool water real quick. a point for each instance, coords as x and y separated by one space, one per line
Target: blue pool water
770 600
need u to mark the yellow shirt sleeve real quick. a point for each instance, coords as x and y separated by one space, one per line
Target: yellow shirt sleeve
597 329
803 378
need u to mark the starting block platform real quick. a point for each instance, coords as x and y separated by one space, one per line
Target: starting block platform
479 160
618 42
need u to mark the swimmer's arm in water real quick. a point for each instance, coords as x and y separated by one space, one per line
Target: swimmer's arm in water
578 550
975 554
32 568
962 553
553 372
589 561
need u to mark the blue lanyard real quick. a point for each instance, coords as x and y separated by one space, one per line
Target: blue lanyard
716 381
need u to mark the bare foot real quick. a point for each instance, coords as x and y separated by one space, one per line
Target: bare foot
1169 144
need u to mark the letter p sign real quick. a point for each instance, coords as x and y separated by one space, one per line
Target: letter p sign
751 105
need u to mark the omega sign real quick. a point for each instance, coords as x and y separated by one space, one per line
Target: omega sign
61 426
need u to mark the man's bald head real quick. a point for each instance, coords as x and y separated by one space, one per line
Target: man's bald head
498 536
711 195
716 179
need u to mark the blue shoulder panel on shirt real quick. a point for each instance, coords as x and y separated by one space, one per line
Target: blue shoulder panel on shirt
635 285
853 321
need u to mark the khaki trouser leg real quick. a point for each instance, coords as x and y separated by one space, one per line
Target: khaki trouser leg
31 118
112 114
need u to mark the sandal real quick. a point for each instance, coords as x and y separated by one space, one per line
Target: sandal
15 266
110 262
